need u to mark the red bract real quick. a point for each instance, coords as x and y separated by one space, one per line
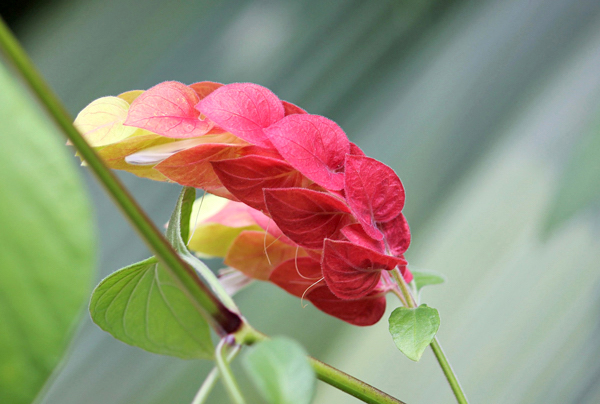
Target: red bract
243 109
302 277
307 217
298 276
352 271
168 109
373 191
356 234
314 145
363 312
192 167
397 234
246 177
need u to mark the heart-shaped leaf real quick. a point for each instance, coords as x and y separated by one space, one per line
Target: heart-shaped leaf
144 306
414 329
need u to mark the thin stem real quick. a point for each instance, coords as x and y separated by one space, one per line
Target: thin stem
224 320
448 372
400 296
226 375
408 297
435 345
210 381
351 385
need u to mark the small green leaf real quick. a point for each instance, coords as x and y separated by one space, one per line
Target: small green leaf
178 231
143 306
426 277
280 370
179 223
414 329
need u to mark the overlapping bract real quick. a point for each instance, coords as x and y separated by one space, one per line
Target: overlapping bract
304 208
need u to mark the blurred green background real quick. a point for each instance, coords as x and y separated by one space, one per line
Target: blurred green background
488 110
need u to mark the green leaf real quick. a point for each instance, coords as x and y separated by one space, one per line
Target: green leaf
46 245
426 277
179 223
414 329
144 306
280 370
178 231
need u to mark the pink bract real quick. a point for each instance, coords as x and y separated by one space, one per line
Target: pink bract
314 145
168 110
243 109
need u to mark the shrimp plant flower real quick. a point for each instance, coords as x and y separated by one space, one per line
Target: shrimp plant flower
293 201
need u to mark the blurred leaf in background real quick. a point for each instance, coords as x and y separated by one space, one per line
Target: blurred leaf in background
482 107
46 245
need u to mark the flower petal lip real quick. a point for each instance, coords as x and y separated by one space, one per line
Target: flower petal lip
352 271
168 109
314 145
243 109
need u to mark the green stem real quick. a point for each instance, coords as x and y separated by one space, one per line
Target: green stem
351 385
435 345
448 372
210 381
222 319
226 375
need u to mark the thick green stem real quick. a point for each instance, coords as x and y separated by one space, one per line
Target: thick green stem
351 385
222 319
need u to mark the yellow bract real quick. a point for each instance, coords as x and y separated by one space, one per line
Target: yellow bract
101 122
211 239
